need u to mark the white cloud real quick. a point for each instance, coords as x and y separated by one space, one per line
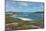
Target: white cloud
23 3
13 2
30 0
20 0
20 7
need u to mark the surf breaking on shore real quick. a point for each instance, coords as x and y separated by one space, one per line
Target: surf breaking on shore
22 18
25 19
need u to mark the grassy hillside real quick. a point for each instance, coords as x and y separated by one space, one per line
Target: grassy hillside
22 24
9 19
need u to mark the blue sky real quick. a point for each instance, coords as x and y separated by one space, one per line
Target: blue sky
23 6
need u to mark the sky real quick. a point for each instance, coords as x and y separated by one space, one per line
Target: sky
23 6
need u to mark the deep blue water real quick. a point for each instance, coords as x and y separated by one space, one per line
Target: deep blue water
32 16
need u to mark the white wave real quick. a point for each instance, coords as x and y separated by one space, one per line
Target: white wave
25 19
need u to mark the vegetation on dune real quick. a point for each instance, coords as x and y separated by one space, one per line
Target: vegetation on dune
9 19
20 27
22 24
23 27
39 23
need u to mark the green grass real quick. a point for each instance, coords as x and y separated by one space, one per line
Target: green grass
39 23
9 19
21 27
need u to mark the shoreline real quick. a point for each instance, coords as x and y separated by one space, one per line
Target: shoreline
25 19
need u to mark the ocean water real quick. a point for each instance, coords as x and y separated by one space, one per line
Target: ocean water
29 15
32 16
